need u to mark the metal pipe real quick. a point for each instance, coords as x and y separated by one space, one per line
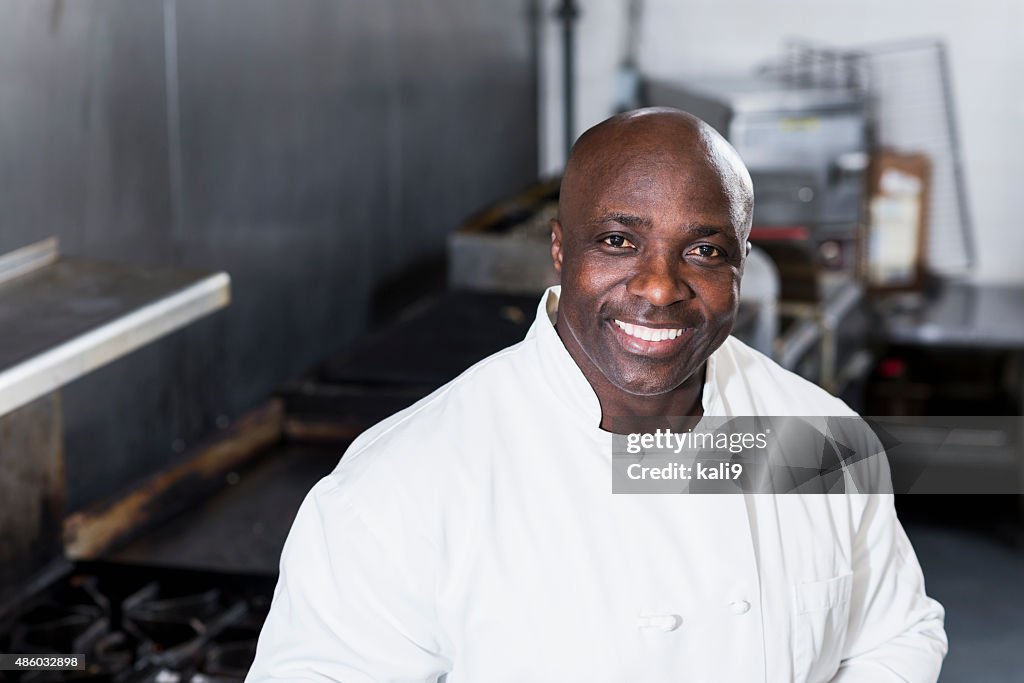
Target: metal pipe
568 11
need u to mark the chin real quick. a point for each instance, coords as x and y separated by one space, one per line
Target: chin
647 386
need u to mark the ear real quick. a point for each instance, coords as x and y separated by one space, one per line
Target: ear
556 245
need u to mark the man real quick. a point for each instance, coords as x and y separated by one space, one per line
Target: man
475 533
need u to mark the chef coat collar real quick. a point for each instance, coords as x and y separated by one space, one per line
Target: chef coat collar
568 381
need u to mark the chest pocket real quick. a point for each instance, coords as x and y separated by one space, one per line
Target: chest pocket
821 614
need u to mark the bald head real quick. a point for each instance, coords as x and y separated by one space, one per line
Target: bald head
655 140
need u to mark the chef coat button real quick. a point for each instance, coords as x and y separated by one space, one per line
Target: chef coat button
660 622
739 606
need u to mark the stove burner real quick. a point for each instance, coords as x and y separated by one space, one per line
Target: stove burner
75 632
70 621
230 659
139 625
114 652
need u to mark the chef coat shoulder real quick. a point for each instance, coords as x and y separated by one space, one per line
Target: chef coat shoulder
437 449
378 551
751 383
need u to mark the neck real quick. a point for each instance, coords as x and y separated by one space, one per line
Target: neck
622 412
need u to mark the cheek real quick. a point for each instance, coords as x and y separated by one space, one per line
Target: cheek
590 279
720 295
723 284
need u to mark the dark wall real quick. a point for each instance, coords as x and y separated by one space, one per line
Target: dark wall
311 148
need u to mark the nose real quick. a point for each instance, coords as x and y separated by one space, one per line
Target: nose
660 280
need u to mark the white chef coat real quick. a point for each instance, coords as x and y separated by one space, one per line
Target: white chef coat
475 533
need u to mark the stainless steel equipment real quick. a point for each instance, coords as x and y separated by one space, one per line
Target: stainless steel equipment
825 341
806 148
910 88
506 247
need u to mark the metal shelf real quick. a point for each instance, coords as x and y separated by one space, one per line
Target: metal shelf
64 317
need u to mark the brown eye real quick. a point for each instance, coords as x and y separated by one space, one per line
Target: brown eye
618 241
707 251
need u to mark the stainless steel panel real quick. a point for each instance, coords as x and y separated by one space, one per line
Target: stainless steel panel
82 136
83 157
323 145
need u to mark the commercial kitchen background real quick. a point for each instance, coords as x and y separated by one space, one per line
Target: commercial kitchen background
318 150
722 36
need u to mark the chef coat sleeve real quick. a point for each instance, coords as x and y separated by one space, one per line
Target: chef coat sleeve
895 630
349 606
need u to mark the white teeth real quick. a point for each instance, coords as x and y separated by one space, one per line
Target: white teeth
648 333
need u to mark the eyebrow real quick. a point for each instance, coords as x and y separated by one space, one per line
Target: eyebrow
626 219
631 221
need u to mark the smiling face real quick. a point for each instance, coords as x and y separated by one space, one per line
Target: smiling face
650 244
